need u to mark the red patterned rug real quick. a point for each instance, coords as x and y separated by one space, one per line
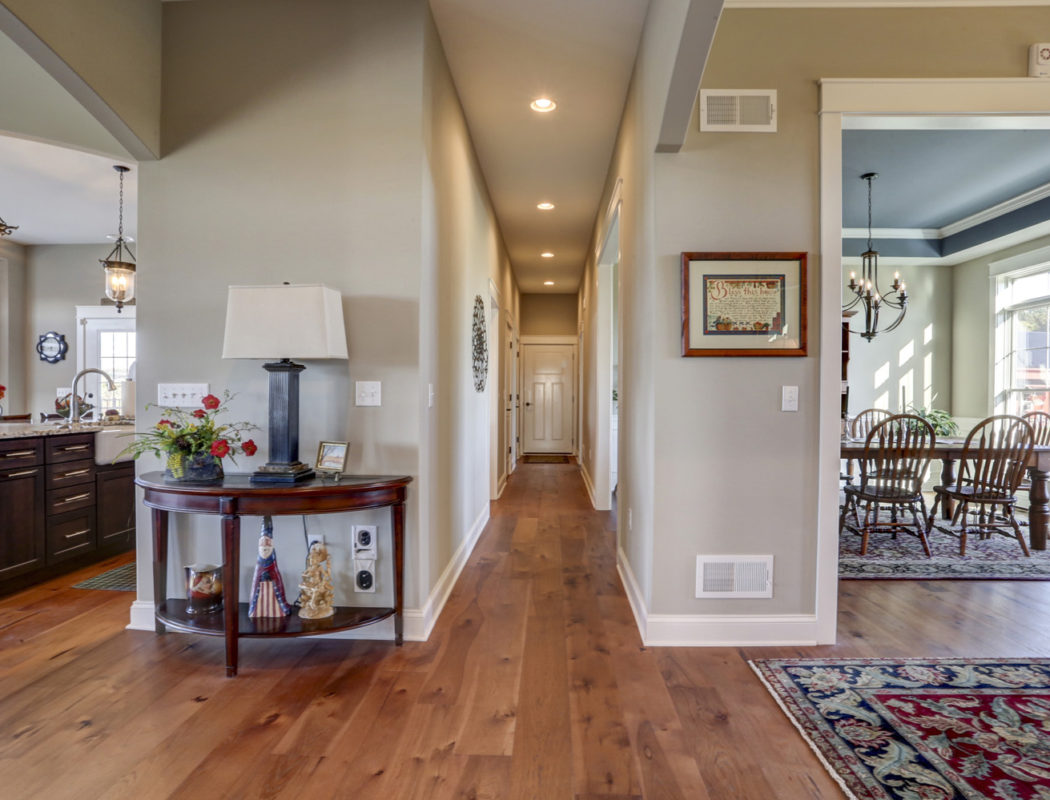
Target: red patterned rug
922 729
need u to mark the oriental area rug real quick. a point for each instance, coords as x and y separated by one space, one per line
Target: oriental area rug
902 558
922 729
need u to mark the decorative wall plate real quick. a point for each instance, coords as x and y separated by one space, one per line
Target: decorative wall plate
52 347
479 341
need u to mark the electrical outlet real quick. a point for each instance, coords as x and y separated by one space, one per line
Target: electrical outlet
314 538
176 395
364 575
368 393
365 541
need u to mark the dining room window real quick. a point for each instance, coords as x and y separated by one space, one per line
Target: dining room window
1022 343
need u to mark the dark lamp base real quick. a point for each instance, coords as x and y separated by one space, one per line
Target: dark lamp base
283 473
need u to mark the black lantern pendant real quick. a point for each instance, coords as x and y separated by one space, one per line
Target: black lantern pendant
119 265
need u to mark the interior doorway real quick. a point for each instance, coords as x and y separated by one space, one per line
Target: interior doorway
548 384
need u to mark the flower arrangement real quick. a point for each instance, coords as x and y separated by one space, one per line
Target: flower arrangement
188 438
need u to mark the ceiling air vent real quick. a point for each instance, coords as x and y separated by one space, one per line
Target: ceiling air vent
738 110
734 576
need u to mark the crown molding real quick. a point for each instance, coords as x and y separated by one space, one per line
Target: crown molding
882 3
893 233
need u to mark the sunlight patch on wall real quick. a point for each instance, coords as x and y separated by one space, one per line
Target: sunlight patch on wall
927 389
906 352
906 389
882 401
927 334
882 374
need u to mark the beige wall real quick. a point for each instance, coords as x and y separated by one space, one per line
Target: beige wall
58 278
464 256
114 47
917 355
295 154
13 350
548 314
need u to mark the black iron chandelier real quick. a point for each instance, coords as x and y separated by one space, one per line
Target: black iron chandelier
119 265
5 229
867 292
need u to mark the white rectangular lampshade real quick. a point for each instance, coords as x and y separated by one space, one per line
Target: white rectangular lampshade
273 322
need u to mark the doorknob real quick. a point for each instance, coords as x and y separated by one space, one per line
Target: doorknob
527 404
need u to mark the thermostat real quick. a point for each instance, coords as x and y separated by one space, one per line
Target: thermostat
1039 60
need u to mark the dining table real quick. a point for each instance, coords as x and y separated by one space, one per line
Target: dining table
949 451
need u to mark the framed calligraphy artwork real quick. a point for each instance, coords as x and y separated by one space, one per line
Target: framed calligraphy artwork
743 304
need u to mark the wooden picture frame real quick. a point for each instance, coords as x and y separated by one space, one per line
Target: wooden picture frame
743 304
331 457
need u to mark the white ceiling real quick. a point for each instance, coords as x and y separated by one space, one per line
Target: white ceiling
60 196
580 53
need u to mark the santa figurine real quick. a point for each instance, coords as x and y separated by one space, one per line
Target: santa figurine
267 586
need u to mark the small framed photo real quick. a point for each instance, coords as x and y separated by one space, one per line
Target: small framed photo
743 304
331 457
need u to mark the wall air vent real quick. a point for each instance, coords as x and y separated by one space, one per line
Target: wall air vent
738 110
734 576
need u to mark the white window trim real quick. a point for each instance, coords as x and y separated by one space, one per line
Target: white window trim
85 313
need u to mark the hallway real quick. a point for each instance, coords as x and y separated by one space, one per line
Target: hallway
534 684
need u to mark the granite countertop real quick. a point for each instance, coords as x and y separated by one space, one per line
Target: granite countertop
21 430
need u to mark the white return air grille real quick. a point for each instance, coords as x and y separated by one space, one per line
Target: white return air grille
738 110
734 576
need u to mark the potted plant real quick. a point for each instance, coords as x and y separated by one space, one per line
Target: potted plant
941 421
192 443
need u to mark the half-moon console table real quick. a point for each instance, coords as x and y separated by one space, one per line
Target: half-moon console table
235 497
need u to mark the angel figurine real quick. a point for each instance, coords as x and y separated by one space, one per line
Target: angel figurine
267 586
315 587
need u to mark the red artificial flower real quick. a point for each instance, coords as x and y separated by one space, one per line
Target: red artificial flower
220 448
249 448
166 423
211 402
200 413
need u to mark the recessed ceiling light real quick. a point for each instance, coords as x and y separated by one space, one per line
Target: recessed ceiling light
548 254
543 105
545 206
548 283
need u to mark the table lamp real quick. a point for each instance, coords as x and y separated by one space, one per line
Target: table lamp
284 322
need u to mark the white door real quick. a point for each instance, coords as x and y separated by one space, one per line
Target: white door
548 396
510 404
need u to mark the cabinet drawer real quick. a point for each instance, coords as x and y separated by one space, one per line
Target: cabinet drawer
70 473
21 453
70 448
70 498
70 534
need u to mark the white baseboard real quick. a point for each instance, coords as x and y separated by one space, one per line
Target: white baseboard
418 622
588 483
713 630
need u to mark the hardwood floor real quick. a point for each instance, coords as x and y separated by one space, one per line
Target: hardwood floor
534 684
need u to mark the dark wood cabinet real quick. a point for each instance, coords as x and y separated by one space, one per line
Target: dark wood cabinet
115 505
22 518
58 509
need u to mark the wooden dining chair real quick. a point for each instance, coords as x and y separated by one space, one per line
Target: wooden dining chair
897 453
859 427
993 463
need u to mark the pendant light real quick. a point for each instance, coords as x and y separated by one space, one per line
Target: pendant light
119 265
5 229
867 292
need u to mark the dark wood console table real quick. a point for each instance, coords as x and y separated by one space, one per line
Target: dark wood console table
236 496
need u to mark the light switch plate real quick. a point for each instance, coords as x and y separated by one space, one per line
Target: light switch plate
368 393
181 395
789 398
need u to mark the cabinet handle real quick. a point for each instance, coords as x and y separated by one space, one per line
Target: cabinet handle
20 474
74 498
18 453
78 533
75 472
71 447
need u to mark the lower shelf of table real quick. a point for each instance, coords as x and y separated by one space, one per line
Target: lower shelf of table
172 613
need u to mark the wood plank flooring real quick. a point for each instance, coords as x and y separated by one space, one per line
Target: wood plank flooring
534 684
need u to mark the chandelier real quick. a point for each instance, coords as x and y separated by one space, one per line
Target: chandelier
5 229
867 292
119 265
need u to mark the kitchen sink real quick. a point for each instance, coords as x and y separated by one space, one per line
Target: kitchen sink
109 442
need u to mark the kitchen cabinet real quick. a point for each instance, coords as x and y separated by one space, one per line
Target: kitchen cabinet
59 510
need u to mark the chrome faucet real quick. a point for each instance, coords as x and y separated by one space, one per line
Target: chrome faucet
74 406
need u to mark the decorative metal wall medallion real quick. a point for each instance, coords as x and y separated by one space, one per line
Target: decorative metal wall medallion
52 347
479 340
